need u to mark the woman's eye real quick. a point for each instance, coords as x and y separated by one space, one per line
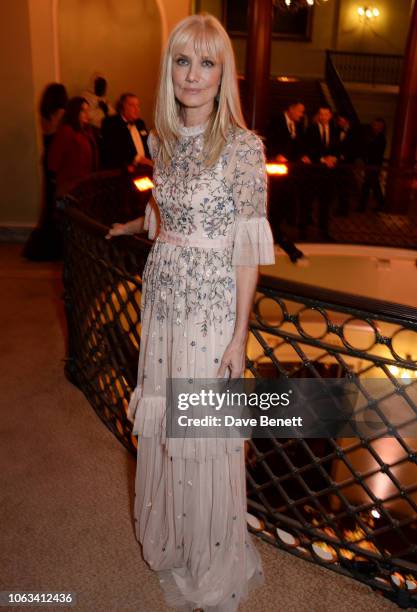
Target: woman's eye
208 63
181 61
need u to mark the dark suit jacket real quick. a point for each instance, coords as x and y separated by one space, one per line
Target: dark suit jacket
118 148
349 147
280 141
314 146
373 148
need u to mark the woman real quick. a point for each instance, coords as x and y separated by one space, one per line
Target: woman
52 107
73 153
43 243
198 286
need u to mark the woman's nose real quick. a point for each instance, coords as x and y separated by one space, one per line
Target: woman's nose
193 73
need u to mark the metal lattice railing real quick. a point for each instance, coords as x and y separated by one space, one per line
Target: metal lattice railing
349 504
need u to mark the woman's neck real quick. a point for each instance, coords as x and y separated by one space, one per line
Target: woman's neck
196 116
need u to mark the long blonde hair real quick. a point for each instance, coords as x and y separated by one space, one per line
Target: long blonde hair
209 36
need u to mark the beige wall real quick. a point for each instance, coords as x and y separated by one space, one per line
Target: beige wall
386 34
174 10
306 58
289 57
120 38
19 174
66 40
215 7
44 50
336 25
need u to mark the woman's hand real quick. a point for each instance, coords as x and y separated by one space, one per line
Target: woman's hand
117 229
234 358
131 227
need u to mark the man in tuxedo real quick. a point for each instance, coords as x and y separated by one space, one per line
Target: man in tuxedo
348 139
124 136
286 134
321 142
285 146
322 150
348 152
372 154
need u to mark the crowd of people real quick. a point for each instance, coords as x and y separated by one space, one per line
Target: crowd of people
86 133
82 135
322 158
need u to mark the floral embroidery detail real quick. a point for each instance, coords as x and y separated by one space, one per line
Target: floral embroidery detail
184 281
180 271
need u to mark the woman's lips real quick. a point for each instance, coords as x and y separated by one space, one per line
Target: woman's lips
191 91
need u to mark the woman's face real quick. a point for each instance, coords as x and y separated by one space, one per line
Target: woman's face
196 78
84 114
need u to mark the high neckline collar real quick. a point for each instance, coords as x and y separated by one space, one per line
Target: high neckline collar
193 130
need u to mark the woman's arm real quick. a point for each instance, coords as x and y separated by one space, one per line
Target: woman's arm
131 227
252 241
149 222
234 356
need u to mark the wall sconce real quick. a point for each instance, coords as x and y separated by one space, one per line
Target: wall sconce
367 13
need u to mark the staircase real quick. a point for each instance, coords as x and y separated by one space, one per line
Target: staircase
283 93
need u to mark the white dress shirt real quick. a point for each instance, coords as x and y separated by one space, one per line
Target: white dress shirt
137 141
324 133
290 126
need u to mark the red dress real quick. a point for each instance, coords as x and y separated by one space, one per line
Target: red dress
72 156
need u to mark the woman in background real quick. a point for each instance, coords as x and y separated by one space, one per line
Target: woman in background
198 287
73 153
44 242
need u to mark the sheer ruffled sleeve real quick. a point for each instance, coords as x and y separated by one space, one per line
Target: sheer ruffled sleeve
253 240
151 222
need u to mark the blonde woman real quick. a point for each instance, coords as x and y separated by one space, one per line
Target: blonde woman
198 287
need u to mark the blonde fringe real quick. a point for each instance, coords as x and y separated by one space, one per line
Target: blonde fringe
206 30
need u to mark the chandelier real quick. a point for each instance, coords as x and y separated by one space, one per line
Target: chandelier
295 5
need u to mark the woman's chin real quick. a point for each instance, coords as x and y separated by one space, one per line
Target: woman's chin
191 102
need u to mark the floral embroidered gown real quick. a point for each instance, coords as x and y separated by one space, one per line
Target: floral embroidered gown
190 503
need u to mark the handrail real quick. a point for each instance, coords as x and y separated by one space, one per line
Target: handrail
331 297
366 54
337 89
386 310
372 68
305 493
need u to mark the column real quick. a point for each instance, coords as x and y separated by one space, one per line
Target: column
404 144
258 59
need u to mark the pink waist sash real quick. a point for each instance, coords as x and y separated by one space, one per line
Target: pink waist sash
222 242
